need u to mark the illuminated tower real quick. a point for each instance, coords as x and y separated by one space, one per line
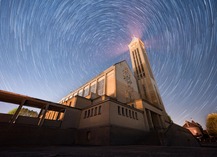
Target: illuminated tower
142 71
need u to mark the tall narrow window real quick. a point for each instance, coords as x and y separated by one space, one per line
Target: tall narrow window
100 86
110 85
95 113
133 114
85 114
88 136
136 64
91 114
93 87
136 115
123 111
145 92
139 69
143 71
86 91
80 93
119 110
88 113
100 108
130 114
126 112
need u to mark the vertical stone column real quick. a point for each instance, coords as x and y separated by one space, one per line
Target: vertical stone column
146 120
162 121
96 89
159 121
16 114
105 82
151 125
43 116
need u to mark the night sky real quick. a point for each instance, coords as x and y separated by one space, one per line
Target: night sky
51 47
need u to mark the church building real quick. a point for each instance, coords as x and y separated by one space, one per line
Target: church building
118 106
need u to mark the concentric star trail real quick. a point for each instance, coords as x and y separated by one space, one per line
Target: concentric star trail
48 48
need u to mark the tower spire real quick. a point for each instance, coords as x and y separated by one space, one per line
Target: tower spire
143 73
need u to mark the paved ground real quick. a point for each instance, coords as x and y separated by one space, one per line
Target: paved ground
108 151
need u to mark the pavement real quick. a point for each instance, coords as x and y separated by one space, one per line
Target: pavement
107 151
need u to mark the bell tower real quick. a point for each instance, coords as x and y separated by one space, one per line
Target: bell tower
142 71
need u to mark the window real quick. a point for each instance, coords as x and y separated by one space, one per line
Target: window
100 86
88 135
95 113
86 91
93 87
145 92
126 111
91 112
85 114
122 111
70 103
119 110
80 93
99 112
88 114
136 115
130 113
110 83
133 114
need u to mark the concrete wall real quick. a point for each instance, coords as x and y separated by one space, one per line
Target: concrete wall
93 120
125 120
126 136
71 118
29 135
110 135
80 102
110 128
126 86
94 136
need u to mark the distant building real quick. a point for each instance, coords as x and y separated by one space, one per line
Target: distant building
195 128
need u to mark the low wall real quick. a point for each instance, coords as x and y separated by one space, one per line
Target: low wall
30 135
110 135
126 136
93 136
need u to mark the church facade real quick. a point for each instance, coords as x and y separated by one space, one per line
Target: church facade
118 106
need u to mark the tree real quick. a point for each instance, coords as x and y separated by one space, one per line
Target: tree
25 112
211 124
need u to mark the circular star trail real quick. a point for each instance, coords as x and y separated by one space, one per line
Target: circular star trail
49 48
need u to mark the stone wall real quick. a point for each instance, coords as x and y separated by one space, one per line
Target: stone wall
32 135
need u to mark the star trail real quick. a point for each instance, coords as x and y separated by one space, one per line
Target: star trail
51 47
